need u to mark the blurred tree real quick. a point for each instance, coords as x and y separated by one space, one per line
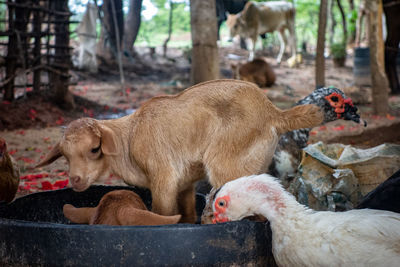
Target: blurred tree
171 11
320 59
132 24
380 85
59 80
344 22
205 64
107 45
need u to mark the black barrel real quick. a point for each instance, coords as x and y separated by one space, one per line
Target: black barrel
34 232
361 67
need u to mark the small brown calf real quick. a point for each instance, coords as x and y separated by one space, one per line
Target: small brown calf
257 71
119 207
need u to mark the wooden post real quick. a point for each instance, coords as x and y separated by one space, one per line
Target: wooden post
320 59
62 61
11 59
205 63
37 24
380 85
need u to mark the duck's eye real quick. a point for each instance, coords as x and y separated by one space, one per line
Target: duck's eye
221 203
95 150
334 98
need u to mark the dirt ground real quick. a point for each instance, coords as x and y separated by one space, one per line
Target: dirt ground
32 125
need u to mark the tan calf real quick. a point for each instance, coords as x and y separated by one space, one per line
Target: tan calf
221 129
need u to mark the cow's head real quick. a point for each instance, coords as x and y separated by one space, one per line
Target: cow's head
87 145
235 24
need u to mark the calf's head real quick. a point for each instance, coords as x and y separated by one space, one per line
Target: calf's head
87 145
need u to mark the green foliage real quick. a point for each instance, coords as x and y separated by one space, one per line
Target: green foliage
153 32
338 50
307 21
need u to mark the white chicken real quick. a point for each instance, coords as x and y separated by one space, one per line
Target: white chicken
303 237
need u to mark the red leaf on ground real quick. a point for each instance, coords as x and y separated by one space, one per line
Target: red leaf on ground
46 185
60 184
29 185
322 128
313 133
26 160
339 128
60 121
5 102
38 150
62 174
12 152
22 132
390 117
33 177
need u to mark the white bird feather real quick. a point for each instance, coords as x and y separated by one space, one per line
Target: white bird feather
303 237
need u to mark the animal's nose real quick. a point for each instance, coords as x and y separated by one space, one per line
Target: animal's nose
75 179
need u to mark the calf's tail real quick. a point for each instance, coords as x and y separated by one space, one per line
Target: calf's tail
298 117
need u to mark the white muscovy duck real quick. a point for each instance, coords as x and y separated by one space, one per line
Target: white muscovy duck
303 237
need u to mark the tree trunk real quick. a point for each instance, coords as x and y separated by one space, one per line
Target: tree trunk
331 20
132 24
62 61
351 5
344 23
171 9
205 63
107 45
320 59
380 86
352 21
17 46
37 23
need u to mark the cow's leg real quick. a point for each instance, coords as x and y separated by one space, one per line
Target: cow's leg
292 38
252 46
282 48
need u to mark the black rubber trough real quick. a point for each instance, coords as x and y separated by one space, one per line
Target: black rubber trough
34 232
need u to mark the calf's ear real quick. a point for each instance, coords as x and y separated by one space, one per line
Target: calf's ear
54 154
108 143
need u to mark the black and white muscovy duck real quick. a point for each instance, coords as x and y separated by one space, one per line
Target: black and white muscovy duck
335 105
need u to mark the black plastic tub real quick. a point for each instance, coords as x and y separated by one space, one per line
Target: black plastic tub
34 232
